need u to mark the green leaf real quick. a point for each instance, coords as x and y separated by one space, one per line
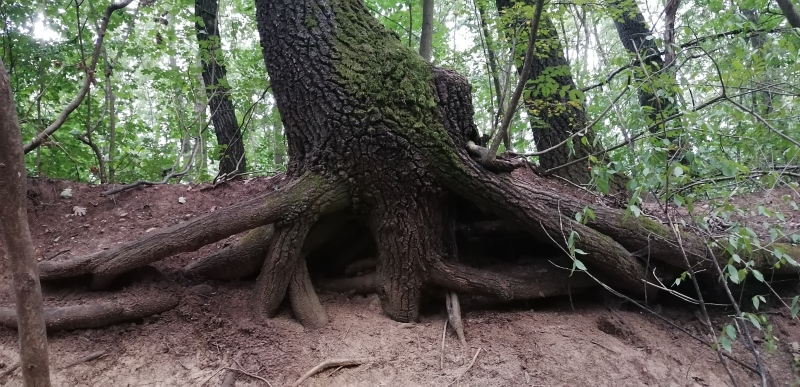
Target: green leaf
733 274
678 171
725 343
758 275
577 264
730 331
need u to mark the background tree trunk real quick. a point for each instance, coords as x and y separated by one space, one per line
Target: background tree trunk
426 38
16 238
229 135
553 116
633 33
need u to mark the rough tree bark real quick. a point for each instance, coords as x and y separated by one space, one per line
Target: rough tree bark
378 135
16 238
229 136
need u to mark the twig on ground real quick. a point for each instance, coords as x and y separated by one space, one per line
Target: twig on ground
468 367
172 174
243 372
441 352
9 371
87 358
603 346
332 363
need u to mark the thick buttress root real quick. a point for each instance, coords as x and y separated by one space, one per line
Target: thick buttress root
128 307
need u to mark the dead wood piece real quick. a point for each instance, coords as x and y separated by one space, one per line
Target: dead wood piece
363 284
332 363
87 358
100 314
454 316
241 259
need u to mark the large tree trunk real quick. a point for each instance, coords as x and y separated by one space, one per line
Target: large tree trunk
378 137
229 135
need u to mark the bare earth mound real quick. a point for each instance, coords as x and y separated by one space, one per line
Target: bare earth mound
563 341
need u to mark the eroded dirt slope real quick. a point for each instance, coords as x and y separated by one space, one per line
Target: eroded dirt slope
559 342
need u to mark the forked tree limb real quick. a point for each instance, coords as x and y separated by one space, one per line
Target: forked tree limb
309 193
101 314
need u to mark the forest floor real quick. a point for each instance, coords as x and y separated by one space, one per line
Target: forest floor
582 340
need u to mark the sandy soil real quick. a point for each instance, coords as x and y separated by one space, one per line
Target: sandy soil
580 341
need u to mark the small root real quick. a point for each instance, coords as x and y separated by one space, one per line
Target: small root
454 316
332 363
242 259
363 284
98 315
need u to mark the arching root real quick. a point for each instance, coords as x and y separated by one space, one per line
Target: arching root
305 303
242 259
279 268
128 307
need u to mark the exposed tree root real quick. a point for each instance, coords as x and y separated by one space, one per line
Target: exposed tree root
538 281
281 262
363 284
305 303
242 259
98 315
359 266
309 193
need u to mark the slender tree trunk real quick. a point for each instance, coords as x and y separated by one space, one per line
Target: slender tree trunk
223 114
16 238
555 114
633 33
426 38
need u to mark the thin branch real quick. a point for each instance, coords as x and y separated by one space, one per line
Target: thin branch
524 74
166 178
